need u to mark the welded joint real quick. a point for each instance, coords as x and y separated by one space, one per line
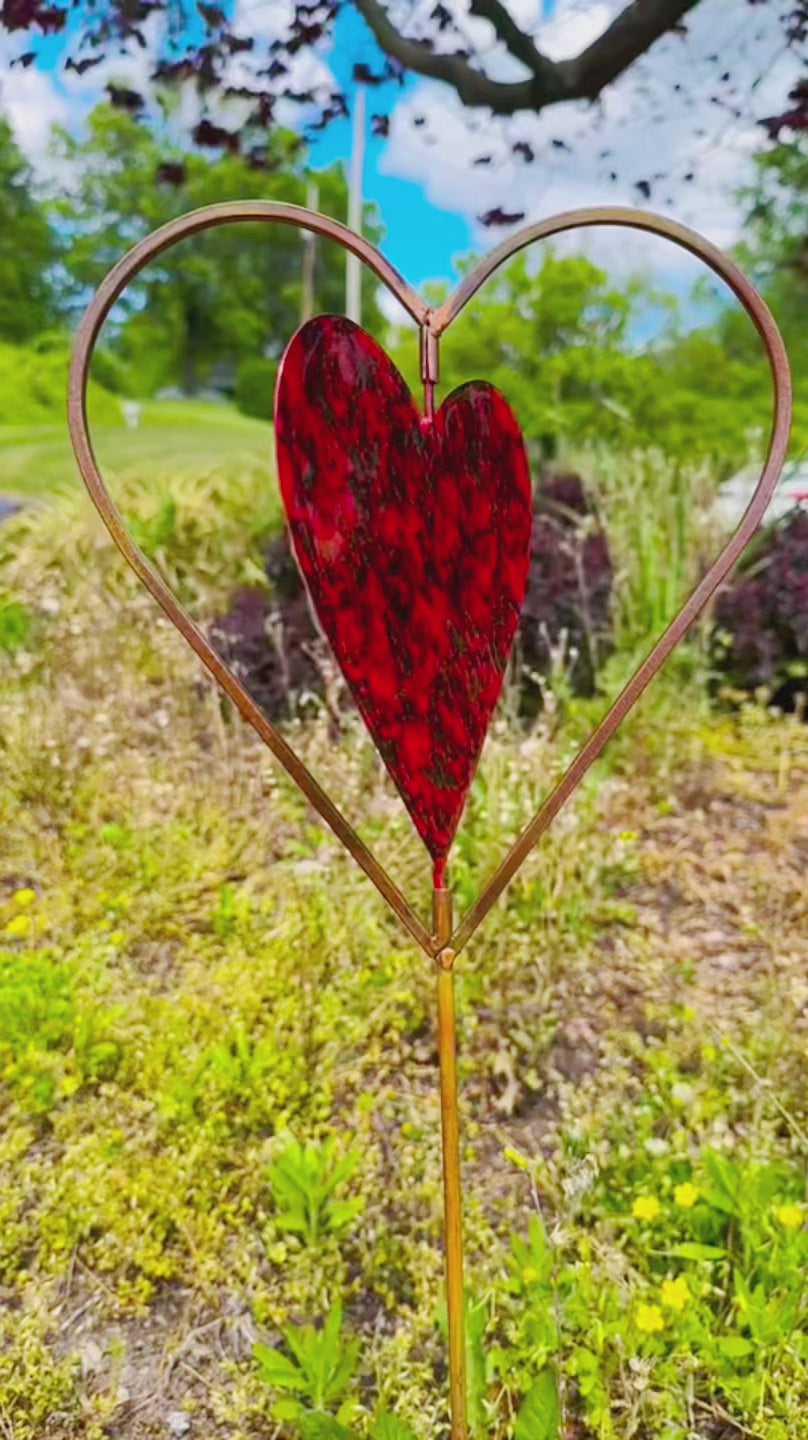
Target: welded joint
430 361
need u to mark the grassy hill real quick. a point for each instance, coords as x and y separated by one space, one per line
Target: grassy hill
183 436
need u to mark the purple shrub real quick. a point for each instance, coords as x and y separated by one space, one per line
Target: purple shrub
760 630
277 651
270 641
568 603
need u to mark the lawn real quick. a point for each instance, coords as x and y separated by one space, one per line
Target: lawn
183 436
218 1061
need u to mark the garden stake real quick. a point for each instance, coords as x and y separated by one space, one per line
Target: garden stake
323 342
450 1126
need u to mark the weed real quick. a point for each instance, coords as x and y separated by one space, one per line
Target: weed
317 1374
16 626
304 1180
35 1389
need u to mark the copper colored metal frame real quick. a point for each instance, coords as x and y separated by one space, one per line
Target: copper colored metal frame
442 942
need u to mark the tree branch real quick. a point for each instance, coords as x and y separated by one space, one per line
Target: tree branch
473 86
629 36
520 45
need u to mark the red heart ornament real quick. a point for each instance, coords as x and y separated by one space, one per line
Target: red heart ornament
432 324
413 536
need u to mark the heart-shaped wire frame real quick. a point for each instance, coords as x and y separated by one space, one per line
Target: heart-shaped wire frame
432 324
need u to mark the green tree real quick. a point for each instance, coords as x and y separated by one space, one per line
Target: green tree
553 340
776 234
775 252
232 293
27 249
561 342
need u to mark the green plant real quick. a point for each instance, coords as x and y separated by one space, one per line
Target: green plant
313 1426
389 1427
317 1426
712 1283
16 626
652 506
478 1376
539 1415
48 1046
304 1180
32 387
37 1019
155 533
255 387
34 1385
314 1378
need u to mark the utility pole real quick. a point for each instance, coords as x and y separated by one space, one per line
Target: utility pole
353 268
309 258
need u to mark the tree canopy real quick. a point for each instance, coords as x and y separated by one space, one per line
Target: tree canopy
481 50
228 294
27 249
561 342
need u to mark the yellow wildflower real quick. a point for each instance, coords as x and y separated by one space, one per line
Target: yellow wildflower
789 1216
646 1207
685 1196
529 1275
19 927
24 898
649 1319
117 937
520 1161
674 1293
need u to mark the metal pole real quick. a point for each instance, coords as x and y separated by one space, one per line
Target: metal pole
453 1211
309 258
353 266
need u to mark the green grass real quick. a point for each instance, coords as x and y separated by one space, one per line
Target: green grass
177 436
219 1113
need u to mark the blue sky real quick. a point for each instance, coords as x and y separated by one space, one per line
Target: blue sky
421 239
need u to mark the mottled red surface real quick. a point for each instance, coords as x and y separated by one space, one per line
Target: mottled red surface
413 537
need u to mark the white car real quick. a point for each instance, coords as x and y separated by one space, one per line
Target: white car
735 494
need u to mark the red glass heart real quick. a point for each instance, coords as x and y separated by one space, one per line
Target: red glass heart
413 536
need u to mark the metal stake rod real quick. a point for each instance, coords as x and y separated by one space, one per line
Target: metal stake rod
353 266
453 1210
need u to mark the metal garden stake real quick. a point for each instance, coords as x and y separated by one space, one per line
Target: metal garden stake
412 532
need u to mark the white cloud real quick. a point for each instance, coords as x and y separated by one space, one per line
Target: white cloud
264 19
673 116
269 20
391 308
572 29
35 99
32 104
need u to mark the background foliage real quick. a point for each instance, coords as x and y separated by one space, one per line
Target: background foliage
574 351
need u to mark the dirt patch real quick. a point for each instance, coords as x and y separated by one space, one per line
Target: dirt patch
156 1372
